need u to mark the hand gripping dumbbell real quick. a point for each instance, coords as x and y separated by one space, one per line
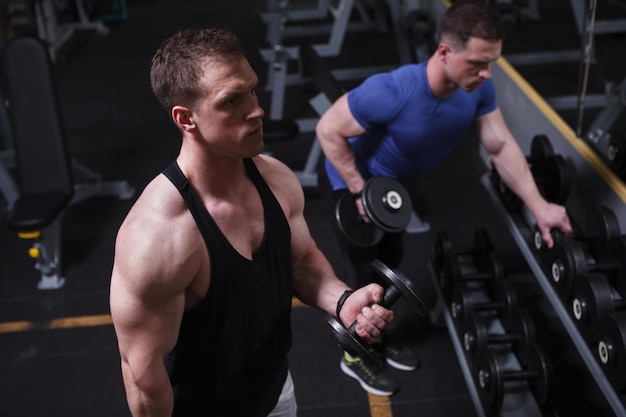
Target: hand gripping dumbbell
611 349
550 172
521 338
570 260
602 225
593 297
399 286
503 302
387 204
489 268
492 376
443 247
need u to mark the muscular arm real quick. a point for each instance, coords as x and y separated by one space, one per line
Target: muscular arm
146 306
315 282
333 130
512 167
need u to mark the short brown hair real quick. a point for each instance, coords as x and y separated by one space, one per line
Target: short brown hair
470 18
178 63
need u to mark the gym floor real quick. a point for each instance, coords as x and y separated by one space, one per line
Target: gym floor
58 352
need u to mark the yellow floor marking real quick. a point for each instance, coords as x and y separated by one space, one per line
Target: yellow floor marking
60 323
379 406
74 322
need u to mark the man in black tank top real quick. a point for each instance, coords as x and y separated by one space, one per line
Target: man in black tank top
210 255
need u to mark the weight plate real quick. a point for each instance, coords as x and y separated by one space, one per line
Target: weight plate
387 203
540 148
350 342
592 299
602 225
523 326
475 338
460 304
489 380
401 283
449 274
617 254
501 292
611 348
554 178
540 365
568 261
353 226
490 263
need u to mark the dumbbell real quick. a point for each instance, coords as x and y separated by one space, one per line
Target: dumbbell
491 377
387 204
550 172
592 298
504 303
521 337
443 247
611 348
569 260
602 225
399 286
491 269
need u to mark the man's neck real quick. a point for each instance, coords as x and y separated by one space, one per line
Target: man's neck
437 81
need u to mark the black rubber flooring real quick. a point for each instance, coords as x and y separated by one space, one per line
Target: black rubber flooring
56 367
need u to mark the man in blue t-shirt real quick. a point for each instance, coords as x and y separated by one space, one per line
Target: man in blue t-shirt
402 123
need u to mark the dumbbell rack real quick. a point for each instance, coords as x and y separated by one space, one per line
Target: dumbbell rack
611 396
525 404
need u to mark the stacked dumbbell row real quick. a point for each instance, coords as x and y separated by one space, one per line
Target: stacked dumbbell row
588 271
588 268
599 247
490 325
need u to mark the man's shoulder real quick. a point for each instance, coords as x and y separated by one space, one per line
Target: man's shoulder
157 207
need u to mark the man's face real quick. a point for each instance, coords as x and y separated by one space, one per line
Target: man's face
229 116
469 67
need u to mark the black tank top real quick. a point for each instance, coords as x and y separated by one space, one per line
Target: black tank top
231 355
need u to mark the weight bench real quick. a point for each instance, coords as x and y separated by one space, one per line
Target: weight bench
43 166
314 67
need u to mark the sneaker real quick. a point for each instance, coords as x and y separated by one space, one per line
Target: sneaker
400 356
375 381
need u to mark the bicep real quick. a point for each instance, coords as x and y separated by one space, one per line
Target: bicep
146 303
493 132
147 329
339 119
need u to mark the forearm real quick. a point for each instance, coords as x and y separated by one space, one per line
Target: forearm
342 158
151 396
316 284
333 131
513 168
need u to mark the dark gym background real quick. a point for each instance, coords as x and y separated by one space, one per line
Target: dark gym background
115 127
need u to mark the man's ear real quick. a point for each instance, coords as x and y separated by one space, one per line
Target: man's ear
183 118
443 50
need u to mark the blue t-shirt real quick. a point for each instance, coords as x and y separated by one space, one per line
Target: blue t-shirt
409 130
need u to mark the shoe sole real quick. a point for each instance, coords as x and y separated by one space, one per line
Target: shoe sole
366 387
400 366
